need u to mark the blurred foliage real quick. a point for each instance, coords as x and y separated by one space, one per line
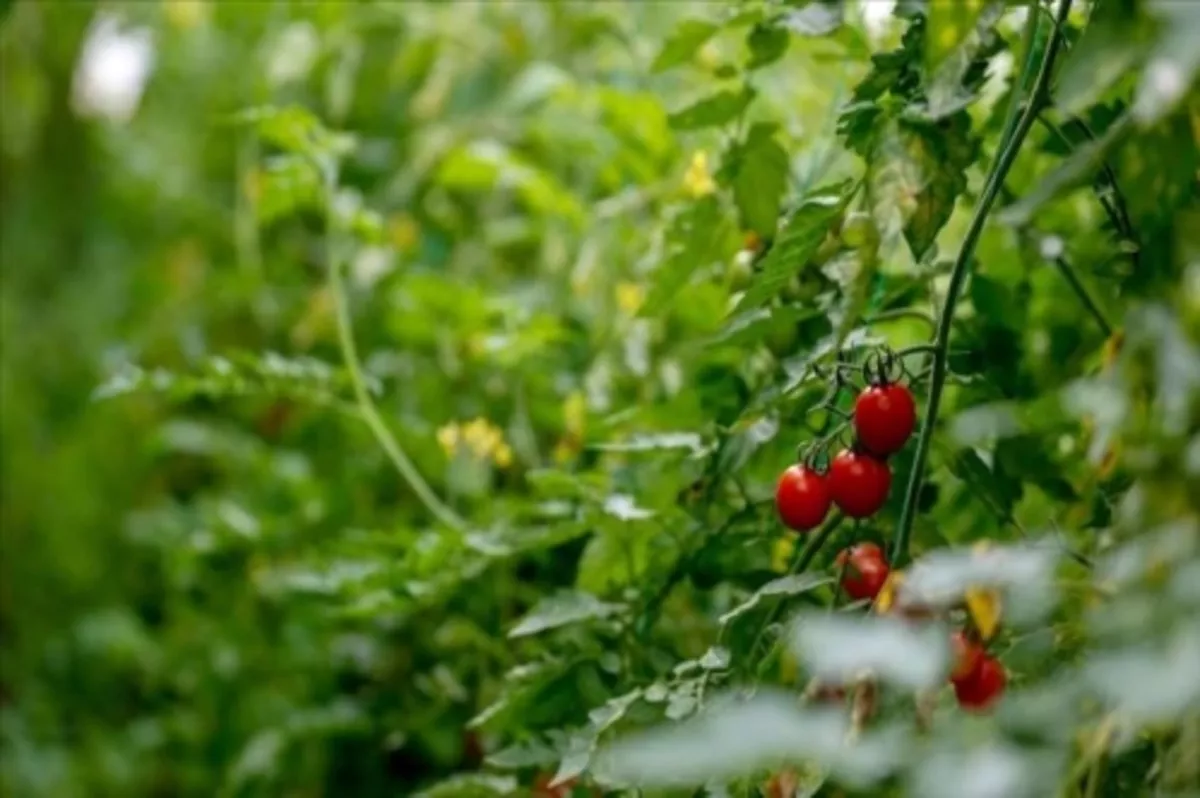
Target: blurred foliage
393 394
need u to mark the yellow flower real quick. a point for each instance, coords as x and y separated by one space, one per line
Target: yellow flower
447 438
482 439
697 180
629 297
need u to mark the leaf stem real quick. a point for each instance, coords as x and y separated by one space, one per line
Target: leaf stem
366 406
1068 272
1010 146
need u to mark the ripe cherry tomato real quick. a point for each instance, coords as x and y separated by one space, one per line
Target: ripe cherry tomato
865 570
859 483
884 417
965 656
979 691
802 497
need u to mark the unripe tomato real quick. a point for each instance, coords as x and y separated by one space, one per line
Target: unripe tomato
865 570
966 657
859 483
884 417
979 691
802 498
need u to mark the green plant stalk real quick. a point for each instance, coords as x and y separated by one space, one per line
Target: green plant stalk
1011 145
366 406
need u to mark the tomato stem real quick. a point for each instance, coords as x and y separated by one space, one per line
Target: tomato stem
1010 147
368 412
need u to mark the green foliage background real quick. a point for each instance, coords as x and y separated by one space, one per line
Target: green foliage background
220 572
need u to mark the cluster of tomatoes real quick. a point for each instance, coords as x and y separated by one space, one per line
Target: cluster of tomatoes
858 478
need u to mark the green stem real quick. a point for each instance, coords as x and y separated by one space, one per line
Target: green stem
1010 146
366 406
1068 272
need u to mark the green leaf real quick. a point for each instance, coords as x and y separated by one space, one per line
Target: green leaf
947 26
791 585
688 37
562 609
760 176
767 45
1172 62
712 111
919 171
799 239
1113 43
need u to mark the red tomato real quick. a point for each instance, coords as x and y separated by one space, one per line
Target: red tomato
884 417
859 483
542 788
865 570
966 656
802 498
979 691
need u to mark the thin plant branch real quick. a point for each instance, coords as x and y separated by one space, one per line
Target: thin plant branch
1010 147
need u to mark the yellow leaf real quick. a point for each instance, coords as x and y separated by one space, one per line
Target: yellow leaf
983 605
781 553
887 594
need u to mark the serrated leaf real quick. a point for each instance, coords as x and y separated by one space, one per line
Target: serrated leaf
760 176
796 243
688 37
563 609
712 111
919 171
791 585
767 45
